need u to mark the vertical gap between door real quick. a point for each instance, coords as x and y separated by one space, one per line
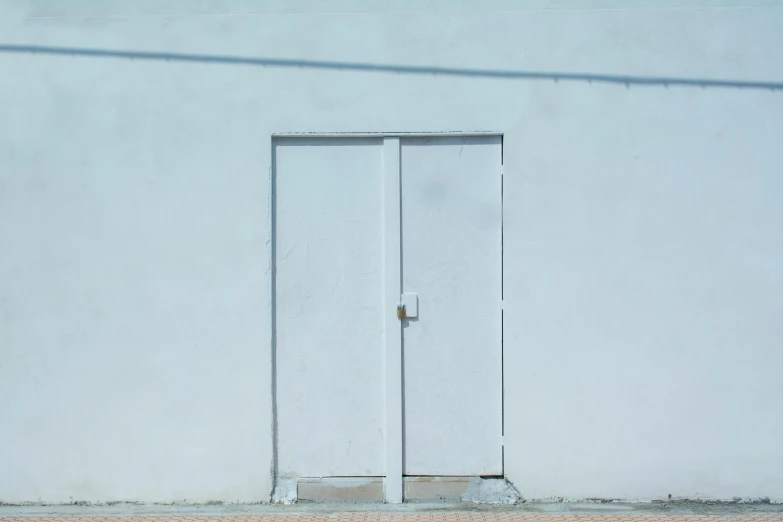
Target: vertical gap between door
402 327
502 313
273 308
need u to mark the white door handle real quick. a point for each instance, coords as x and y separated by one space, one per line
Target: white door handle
410 303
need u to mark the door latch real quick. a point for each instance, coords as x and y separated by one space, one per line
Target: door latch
410 305
400 311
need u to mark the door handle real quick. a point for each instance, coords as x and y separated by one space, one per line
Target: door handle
409 306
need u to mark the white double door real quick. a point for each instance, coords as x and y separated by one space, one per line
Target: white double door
358 223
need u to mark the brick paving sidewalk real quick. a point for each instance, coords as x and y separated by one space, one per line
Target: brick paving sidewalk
402 517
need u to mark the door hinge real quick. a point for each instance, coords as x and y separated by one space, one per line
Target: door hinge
502 443
501 170
501 304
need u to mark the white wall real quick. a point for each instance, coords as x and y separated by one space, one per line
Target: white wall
643 268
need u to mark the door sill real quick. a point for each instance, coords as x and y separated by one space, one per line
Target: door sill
417 489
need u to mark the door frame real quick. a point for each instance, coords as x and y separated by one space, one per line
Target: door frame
392 267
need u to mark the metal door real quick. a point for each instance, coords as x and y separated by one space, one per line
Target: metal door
451 223
360 226
328 307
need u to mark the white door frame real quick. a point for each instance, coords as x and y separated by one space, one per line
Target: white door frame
392 232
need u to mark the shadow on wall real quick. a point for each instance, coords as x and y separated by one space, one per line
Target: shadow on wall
399 69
